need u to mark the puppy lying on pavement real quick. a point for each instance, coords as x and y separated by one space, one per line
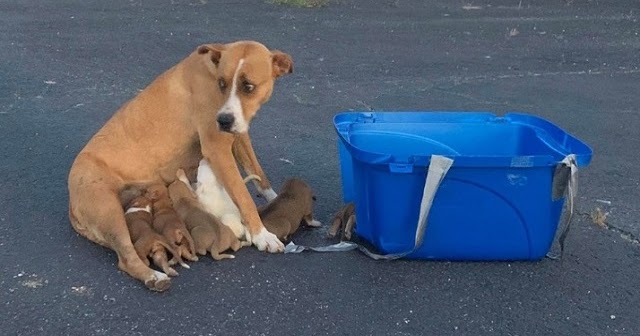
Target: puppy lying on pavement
207 231
167 223
283 215
146 241
345 218
216 201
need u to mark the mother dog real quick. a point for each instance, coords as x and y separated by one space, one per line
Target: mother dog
200 107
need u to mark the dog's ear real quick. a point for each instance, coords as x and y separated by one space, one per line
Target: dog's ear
282 63
213 50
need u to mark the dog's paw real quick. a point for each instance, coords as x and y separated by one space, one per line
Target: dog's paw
158 282
266 240
268 194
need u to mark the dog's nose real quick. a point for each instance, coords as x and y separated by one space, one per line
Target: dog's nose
225 120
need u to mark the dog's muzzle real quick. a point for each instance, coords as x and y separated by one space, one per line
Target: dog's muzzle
225 121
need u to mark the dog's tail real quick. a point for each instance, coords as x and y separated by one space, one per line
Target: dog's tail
251 178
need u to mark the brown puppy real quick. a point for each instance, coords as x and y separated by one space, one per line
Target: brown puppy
344 218
207 231
201 107
146 241
167 222
283 215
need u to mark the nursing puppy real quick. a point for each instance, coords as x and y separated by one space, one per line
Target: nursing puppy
167 223
207 232
147 242
216 201
283 215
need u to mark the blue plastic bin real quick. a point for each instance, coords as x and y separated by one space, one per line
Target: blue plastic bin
495 203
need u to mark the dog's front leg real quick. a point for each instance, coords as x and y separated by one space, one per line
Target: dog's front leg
224 166
246 156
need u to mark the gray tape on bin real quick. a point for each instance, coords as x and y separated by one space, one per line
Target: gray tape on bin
438 168
565 183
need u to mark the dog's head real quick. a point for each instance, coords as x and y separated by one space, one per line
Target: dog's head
244 74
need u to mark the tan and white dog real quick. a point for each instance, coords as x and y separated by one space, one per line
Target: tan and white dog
201 107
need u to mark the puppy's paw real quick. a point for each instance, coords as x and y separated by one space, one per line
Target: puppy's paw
266 240
158 282
170 271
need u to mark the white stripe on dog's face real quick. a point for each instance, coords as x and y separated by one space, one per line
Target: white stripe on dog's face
233 105
135 209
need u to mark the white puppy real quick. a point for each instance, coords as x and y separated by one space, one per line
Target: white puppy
215 200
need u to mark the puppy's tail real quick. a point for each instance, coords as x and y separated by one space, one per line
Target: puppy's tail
160 259
251 178
176 252
190 252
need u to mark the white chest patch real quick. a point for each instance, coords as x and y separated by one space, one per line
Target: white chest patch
135 209
216 201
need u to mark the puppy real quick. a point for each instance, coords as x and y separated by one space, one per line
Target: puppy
167 223
216 201
147 242
208 233
283 215
345 218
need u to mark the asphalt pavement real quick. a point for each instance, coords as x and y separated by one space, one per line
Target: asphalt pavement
68 65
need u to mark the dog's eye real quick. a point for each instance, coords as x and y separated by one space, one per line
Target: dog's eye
248 87
222 84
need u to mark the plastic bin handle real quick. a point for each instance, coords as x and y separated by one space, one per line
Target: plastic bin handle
438 168
565 183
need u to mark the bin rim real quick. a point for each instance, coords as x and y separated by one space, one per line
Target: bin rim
557 139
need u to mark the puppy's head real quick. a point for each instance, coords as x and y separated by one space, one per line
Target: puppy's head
178 190
128 193
156 192
298 189
139 202
244 73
